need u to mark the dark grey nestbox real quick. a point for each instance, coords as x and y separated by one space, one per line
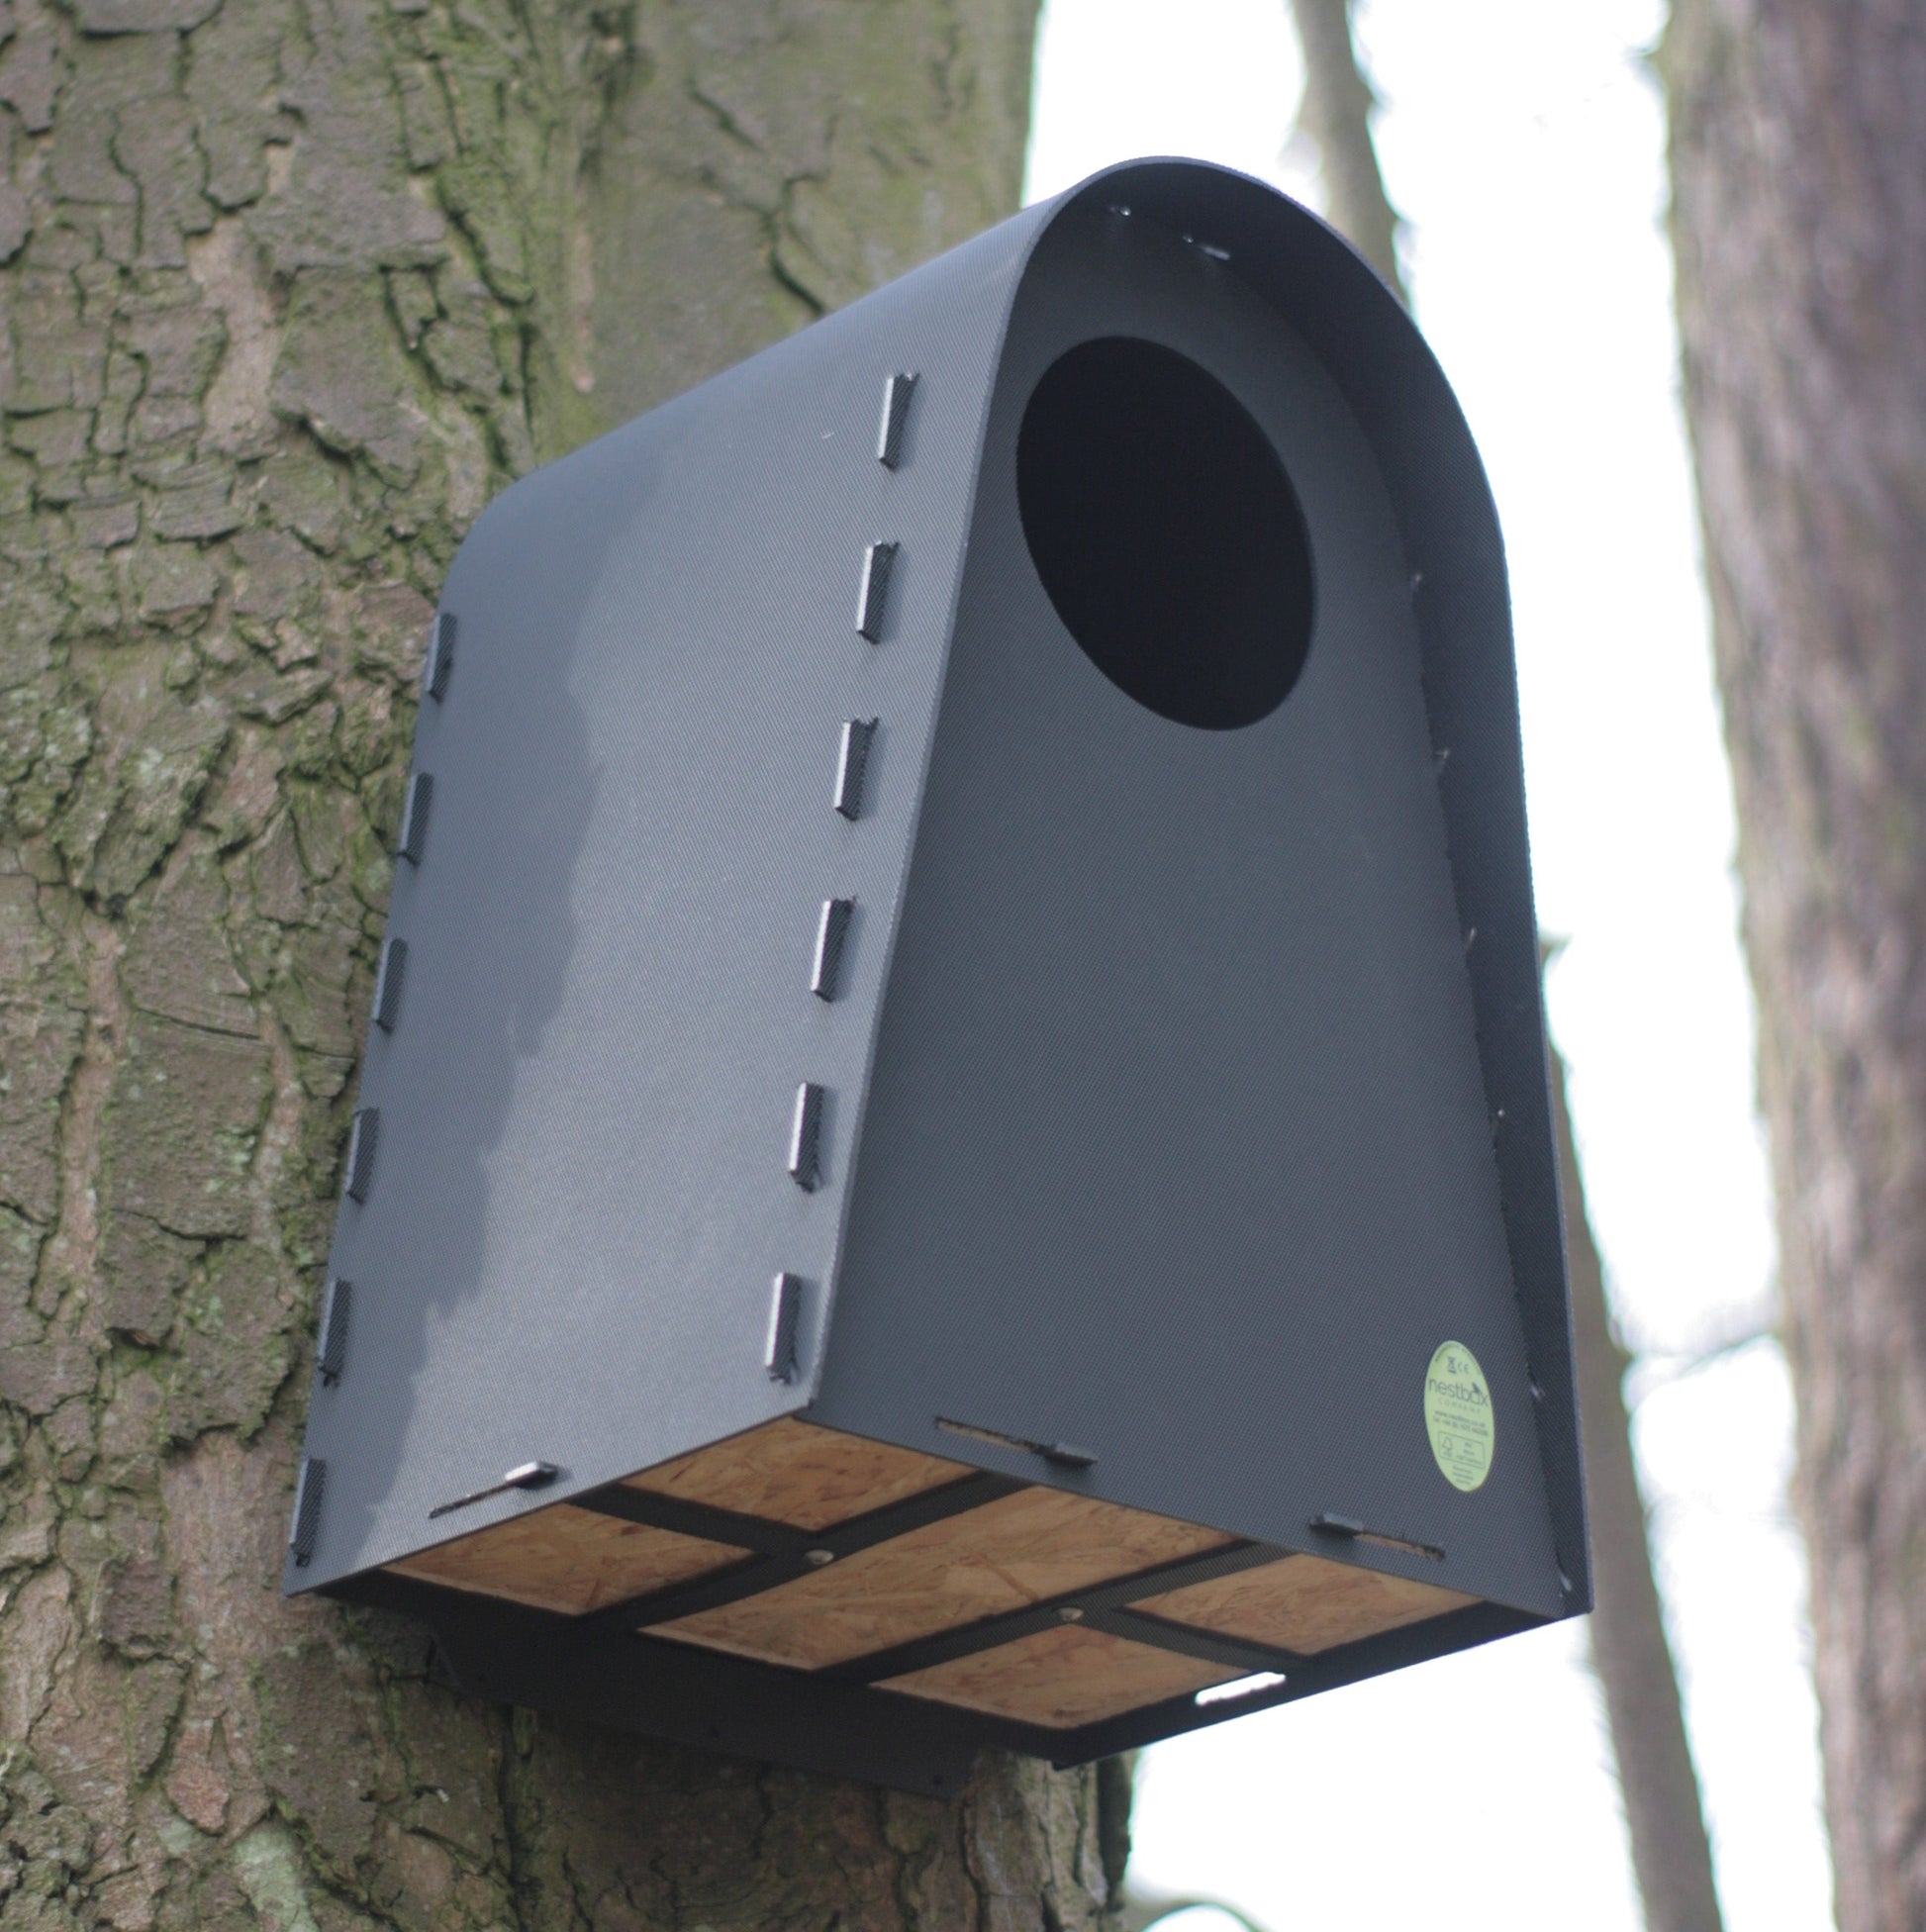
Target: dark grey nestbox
954 1148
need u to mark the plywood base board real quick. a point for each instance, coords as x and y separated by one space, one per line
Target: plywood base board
1009 1553
1063 1678
794 1473
1022 1549
1303 1603
566 1558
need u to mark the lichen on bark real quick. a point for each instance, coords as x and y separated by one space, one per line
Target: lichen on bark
288 290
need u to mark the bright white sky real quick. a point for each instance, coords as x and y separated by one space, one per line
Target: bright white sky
1523 144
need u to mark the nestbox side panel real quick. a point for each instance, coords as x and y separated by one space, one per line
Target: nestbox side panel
566 1246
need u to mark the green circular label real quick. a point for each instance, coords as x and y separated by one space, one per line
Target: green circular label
1458 1415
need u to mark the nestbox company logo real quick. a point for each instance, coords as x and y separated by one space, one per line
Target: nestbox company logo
1458 1415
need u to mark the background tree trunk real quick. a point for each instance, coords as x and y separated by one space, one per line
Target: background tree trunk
1672 1856
289 292
1798 169
1336 113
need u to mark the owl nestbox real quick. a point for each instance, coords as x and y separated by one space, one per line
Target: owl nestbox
953 1147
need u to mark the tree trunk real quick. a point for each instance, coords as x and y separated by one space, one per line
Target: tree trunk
1336 114
1798 168
290 290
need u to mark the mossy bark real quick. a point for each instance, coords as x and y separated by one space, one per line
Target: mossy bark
290 288
1799 171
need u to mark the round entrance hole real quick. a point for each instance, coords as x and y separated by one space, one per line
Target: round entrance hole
1166 532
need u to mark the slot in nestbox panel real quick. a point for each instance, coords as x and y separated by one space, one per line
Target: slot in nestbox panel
1062 1678
566 1558
1019 1550
1303 1603
790 1473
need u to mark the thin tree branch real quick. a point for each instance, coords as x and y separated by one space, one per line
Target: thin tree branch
1670 1853
1336 115
1653 1368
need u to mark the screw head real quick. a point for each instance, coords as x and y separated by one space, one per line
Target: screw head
1070 1615
818 1558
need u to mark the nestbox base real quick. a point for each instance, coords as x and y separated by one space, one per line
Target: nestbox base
902 1596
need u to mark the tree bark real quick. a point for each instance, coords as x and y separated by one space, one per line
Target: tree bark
1799 171
289 290
1672 1855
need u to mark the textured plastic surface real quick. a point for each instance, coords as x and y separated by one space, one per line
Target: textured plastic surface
582 1199
1183 1089
1176 1142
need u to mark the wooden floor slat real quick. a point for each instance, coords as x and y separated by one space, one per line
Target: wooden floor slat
1303 1603
794 1473
566 1558
1018 1550
1062 1678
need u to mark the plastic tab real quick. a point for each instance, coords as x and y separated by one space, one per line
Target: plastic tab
805 1138
387 984
1334 1525
305 1528
779 1345
335 1306
897 392
413 818
831 930
852 763
360 1151
879 564
441 657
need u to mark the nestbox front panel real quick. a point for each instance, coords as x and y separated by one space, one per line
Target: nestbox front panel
1178 1149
